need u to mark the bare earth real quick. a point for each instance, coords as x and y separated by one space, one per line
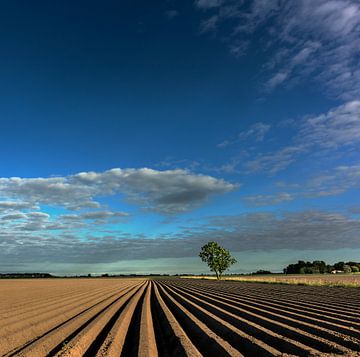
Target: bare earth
176 317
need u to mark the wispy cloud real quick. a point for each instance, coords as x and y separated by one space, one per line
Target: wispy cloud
338 128
170 14
207 4
318 40
269 200
276 161
257 132
329 183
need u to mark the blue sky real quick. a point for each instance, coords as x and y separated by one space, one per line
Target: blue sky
133 132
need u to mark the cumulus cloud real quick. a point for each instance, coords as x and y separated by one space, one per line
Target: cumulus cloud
168 192
38 216
102 215
87 218
295 230
247 232
354 210
16 205
317 40
13 216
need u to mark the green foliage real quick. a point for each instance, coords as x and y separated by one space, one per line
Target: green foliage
320 267
217 258
339 266
261 272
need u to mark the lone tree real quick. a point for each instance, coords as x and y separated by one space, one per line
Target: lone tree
217 258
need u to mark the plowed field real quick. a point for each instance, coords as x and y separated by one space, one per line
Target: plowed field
175 317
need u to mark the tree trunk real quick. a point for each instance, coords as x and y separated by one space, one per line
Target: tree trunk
217 275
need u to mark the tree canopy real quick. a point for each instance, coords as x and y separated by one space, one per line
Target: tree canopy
320 267
217 258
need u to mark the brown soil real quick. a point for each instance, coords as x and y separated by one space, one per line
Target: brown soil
176 317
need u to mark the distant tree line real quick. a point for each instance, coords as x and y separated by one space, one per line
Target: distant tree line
320 267
261 272
26 275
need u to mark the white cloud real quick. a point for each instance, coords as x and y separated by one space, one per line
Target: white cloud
269 200
277 79
314 230
338 128
256 131
274 162
102 215
318 40
329 183
13 216
170 191
38 215
16 205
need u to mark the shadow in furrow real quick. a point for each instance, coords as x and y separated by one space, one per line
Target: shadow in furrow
204 343
131 343
95 346
74 333
167 342
243 345
271 340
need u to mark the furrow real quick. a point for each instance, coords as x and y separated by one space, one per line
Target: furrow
323 298
171 338
147 343
205 340
237 339
339 332
82 341
278 335
57 336
114 342
265 296
270 324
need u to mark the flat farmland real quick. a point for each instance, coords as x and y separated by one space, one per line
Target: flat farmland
176 317
346 280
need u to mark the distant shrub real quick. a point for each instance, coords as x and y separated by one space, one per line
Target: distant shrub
355 269
347 269
261 272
